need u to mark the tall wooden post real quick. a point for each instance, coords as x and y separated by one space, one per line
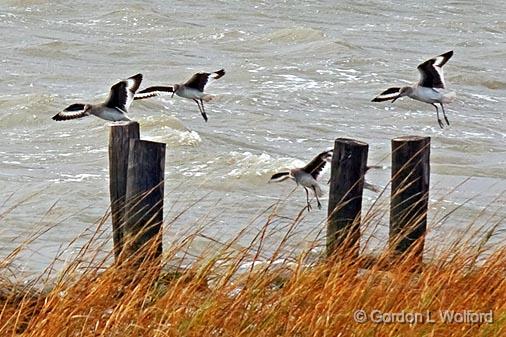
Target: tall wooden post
144 198
410 194
349 163
119 140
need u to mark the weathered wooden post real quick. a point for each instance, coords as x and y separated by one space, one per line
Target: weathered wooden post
144 199
410 194
349 163
119 140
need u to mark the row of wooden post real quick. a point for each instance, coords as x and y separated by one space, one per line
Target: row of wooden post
408 201
136 170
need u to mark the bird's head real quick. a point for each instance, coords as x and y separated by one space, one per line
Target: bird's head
405 91
87 108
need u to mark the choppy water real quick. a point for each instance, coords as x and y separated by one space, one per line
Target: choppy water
299 74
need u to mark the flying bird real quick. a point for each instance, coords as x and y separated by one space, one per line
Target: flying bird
307 176
192 89
113 109
429 89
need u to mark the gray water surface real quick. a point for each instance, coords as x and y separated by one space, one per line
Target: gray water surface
299 75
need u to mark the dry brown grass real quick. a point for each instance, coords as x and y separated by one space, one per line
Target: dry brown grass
254 291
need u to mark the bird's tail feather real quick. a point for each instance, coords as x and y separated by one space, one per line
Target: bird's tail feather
449 97
318 190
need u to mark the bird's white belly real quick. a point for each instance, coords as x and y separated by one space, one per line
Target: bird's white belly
309 182
427 95
110 115
306 180
189 93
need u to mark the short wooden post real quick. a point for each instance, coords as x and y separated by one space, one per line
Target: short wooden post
410 194
144 199
119 140
349 163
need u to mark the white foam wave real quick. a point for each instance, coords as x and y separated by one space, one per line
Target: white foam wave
249 164
75 178
177 137
170 130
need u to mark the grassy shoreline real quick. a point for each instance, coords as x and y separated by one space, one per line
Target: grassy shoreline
260 290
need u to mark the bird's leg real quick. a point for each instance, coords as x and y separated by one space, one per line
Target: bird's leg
198 104
202 112
307 200
444 114
202 104
441 125
317 200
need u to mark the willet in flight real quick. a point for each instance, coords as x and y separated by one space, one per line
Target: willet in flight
429 89
113 109
307 176
192 89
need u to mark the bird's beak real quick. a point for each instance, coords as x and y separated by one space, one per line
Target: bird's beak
395 99
172 96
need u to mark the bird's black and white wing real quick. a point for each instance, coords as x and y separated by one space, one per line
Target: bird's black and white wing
431 71
280 176
390 93
122 93
73 111
316 166
154 91
200 80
